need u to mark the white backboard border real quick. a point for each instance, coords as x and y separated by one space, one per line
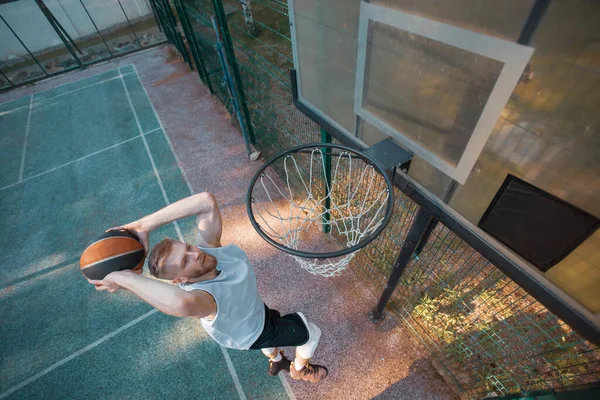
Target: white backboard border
514 57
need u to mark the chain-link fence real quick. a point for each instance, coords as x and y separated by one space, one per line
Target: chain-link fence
44 39
485 334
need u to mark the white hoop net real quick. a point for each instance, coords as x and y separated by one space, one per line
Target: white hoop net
318 203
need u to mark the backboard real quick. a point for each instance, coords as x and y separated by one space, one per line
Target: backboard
375 72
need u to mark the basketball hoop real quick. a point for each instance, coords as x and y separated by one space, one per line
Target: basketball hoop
320 203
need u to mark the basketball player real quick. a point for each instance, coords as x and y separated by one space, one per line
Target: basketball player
216 285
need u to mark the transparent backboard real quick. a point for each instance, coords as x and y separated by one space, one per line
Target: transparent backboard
435 88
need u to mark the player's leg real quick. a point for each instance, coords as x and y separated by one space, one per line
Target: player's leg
301 368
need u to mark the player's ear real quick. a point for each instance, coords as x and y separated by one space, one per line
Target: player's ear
179 280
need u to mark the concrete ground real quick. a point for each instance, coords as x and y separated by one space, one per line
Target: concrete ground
365 360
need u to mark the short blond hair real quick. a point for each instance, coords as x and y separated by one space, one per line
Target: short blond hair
156 259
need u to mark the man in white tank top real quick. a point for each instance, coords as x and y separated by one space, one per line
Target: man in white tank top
217 285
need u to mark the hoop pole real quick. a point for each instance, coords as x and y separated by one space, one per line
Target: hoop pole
326 138
417 229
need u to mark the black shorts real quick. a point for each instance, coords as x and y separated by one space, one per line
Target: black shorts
279 331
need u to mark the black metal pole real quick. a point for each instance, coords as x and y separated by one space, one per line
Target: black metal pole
23 44
416 231
129 23
96 27
535 16
57 24
426 234
431 226
7 80
60 32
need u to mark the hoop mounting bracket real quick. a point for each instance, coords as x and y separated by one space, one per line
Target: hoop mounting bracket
389 154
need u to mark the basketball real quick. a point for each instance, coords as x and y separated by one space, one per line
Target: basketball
112 251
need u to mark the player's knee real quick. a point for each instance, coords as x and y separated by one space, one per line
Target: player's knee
270 351
314 333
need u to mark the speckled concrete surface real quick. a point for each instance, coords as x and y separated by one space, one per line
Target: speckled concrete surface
365 360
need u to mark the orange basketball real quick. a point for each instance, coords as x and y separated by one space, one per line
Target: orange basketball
113 251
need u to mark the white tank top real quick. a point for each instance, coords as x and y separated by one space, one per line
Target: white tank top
240 314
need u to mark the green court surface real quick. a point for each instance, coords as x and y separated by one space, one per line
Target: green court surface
76 160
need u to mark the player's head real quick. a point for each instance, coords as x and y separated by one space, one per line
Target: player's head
179 262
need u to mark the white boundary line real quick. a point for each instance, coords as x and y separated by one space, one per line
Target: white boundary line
25 140
153 130
230 366
236 381
160 184
71 162
287 387
164 132
70 91
77 354
141 318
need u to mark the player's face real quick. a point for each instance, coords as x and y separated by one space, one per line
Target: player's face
187 262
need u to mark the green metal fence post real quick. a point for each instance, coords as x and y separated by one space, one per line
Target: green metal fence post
326 138
169 24
218 5
188 30
175 33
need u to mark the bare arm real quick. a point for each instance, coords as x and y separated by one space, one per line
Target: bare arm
203 205
167 298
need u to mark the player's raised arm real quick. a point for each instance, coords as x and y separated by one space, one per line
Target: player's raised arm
204 205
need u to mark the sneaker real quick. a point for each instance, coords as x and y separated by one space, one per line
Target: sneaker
310 372
281 365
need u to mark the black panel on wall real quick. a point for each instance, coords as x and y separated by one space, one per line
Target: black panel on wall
538 226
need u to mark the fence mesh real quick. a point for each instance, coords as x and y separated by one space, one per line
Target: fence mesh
484 334
199 14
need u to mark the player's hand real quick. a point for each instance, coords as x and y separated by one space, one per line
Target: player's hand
137 230
110 282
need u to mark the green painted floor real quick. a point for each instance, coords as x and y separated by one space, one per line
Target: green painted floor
75 161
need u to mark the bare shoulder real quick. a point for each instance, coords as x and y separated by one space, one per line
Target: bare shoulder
201 304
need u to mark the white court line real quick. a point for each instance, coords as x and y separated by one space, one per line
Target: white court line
236 381
153 130
76 354
287 387
25 141
137 320
70 162
160 184
69 92
165 133
238 386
